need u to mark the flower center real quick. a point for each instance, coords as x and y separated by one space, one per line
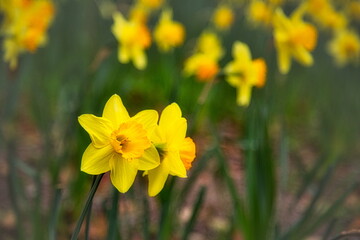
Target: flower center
207 69
350 47
162 150
130 140
304 35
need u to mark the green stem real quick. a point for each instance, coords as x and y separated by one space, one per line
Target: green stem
113 230
198 204
55 214
87 206
88 215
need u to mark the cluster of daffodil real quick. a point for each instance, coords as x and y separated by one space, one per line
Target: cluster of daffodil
295 38
134 37
123 145
243 73
25 25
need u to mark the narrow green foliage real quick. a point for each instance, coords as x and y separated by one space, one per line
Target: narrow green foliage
113 230
197 206
55 211
166 197
86 207
260 176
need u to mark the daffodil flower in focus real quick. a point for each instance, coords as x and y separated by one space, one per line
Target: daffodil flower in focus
176 151
168 33
245 73
119 143
294 38
133 37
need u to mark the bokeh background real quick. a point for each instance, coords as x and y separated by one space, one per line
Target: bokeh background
285 167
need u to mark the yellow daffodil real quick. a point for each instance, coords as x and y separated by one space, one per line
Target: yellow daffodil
353 10
25 26
119 143
245 73
151 4
139 13
276 2
223 17
259 13
176 151
204 62
294 38
203 66
168 33
345 47
325 14
209 44
134 38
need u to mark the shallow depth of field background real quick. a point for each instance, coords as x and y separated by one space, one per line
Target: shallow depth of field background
304 175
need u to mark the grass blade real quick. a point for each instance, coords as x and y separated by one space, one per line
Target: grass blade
190 225
86 207
55 214
113 217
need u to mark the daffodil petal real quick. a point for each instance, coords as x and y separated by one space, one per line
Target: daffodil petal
123 54
284 60
173 125
122 174
118 24
244 95
150 159
157 179
157 136
168 115
115 111
148 118
98 128
139 58
303 56
177 134
96 160
176 166
241 51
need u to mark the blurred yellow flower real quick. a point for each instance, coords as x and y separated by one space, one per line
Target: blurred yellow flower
133 38
353 9
259 13
119 143
294 38
168 33
245 73
176 151
25 26
209 44
276 2
203 66
223 17
139 13
204 63
325 14
151 4
345 47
